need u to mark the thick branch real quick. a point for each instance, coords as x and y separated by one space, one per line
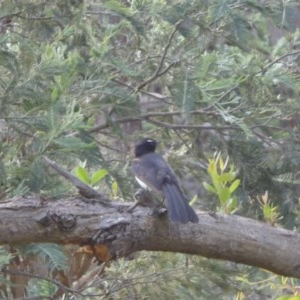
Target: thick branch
74 220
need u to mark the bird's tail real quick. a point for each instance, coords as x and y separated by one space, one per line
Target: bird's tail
178 207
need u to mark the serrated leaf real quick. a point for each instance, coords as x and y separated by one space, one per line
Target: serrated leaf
82 175
98 176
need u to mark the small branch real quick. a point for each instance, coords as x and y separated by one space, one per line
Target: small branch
167 48
159 72
83 188
145 117
182 126
154 95
10 16
154 76
264 69
90 12
35 18
31 275
19 15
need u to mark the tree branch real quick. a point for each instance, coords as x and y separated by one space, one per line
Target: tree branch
83 188
159 72
184 126
147 118
73 220
31 275
266 67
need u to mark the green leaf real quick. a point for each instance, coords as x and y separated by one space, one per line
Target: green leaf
226 177
267 210
224 195
193 200
217 183
54 94
221 164
209 187
82 175
98 176
232 204
118 7
288 297
212 167
5 256
114 188
53 255
234 185
72 143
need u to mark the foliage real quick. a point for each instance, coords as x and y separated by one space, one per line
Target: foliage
5 256
224 183
80 80
95 178
270 212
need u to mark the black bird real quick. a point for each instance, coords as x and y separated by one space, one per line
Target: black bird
152 172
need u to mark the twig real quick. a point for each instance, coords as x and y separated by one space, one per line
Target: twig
83 188
167 48
27 274
147 116
182 126
159 72
264 69
34 18
10 16
154 76
154 95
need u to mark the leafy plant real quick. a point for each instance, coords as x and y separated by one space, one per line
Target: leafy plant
224 183
90 179
270 212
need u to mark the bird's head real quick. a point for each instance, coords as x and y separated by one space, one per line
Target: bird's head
144 146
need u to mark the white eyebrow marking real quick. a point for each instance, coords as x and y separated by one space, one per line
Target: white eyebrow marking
150 141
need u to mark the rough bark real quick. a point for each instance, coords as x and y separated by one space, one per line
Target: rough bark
123 231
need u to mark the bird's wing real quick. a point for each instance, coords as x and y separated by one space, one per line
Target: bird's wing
152 169
145 173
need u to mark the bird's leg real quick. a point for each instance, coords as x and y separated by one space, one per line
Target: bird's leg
147 199
143 198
